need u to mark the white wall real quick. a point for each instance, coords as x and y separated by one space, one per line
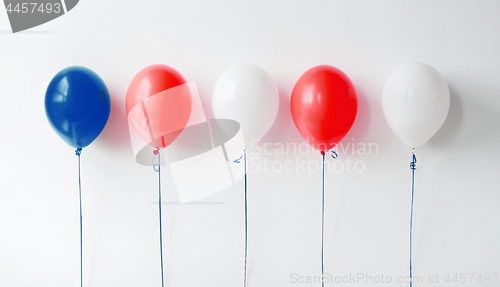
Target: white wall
367 213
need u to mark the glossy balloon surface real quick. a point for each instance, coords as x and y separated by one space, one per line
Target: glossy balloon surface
158 104
77 105
324 105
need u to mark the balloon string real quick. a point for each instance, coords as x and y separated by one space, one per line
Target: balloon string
323 223
78 152
158 169
334 156
244 155
246 221
413 167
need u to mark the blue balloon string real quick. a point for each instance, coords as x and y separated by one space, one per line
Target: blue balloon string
323 222
244 155
246 221
78 152
413 167
238 160
334 156
158 169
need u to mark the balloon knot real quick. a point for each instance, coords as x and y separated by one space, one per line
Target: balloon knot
156 166
334 154
413 164
78 151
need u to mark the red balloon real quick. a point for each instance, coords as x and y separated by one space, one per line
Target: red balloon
158 104
324 106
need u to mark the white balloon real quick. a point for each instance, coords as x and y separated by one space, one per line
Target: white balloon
415 102
247 94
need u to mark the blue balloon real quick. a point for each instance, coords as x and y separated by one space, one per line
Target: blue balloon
77 105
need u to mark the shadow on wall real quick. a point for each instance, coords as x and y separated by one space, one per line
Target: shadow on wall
205 93
283 130
452 124
361 124
115 135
